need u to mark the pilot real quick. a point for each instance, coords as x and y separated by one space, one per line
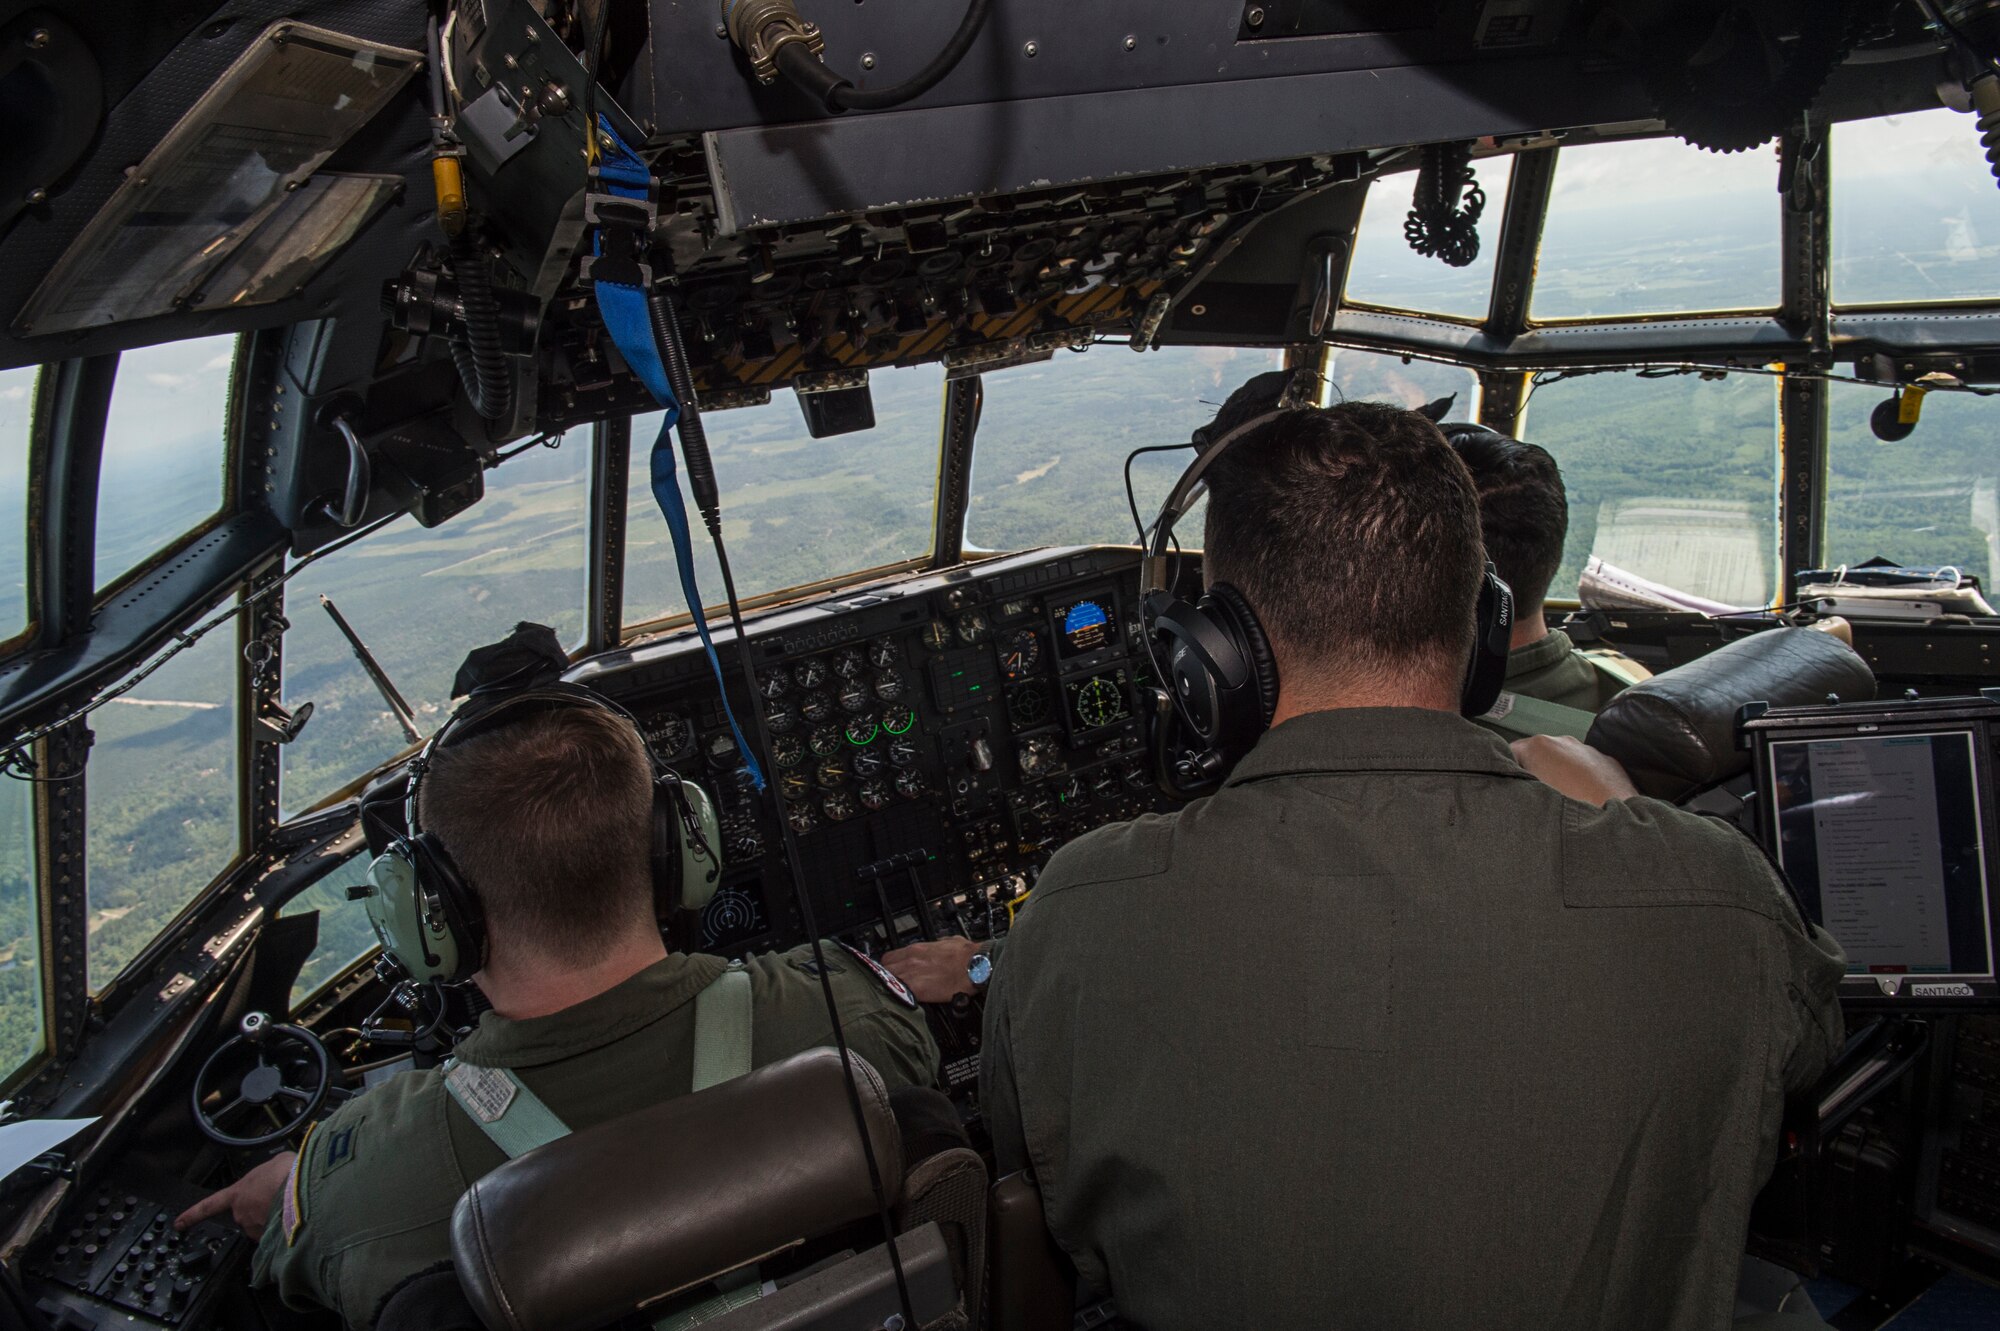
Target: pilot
1388 1031
549 820
1524 518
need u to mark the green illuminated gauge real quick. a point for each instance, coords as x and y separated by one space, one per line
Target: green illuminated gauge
787 751
911 785
862 730
825 741
937 635
1020 653
855 698
816 707
797 785
868 763
1027 704
1071 793
972 628
670 735
831 773
898 719
774 684
802 818
877 794
782 718
1099 702
889 686
882 653
811 673
847 663
840 807
902 752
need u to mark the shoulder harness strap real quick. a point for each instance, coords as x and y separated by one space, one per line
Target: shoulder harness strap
722 1028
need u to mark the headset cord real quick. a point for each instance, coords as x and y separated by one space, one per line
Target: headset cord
701 479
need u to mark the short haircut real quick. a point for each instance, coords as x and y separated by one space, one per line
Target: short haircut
1353 531
549 820
1523 509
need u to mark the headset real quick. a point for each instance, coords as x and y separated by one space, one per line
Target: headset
429 918
1222 678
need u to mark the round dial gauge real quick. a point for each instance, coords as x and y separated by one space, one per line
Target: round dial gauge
741 841
972 628
1134 776
862 730
796 785
848 664
774 683
1021 653
782 718
1038 758
1105 785
670 735
840 807
825 741
937 635
831 773
877 794
722 752
788 751
868 763
898 719
1071 793
889 686
902 752
816 707
1027 703
856 698
882 653
811 673
1099 702
911 785
802 818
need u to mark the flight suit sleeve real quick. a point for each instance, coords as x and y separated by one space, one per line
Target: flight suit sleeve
290 1258
881 1021
999 1097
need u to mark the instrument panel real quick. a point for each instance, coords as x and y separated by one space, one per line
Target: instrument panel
935 740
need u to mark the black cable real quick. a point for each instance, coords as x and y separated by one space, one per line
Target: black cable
481 360
701 479
836 94
1446 206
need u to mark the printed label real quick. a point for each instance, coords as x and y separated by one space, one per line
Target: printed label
1941 990
485 1092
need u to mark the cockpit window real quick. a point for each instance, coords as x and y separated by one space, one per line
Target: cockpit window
1915 215
165 446
420 599
1387 272
1047 468
17 405
162 799
1375 376
1930 500
1658 227
795 509
1674 479
344 931
20 930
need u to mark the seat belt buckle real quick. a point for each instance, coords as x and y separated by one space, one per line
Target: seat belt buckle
624 232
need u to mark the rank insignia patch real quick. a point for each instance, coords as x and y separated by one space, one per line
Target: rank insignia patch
889 981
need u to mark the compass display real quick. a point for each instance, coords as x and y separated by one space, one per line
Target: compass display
1097 701
1083 627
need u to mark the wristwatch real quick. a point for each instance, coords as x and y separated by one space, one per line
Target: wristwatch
979 970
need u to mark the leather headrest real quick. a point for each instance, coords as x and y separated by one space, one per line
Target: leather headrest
584 1230
1676 732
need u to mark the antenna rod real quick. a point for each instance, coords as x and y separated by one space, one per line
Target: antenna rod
406 716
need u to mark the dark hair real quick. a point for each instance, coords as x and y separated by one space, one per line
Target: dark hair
549 820
1353 531
1523 510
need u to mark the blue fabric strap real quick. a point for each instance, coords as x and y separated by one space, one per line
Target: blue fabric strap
626 317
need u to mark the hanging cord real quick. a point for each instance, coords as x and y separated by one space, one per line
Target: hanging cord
482 363
803 69
1983 87
1445 210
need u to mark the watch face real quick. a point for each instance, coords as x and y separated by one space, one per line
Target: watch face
980 969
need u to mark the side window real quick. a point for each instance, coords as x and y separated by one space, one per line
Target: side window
165 448
17 406
1387 272
344 931
162 799
1374 376
1674 479
1927 501
421 598
1915 215
21 1036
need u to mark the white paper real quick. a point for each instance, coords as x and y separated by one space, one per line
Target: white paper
23 1141
1881 874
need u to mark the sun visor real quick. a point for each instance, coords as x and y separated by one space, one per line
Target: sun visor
226 211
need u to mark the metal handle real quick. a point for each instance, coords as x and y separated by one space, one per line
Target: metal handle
360 477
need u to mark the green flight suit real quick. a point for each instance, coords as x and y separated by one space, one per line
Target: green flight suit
1555 671
1386 1033
370 1201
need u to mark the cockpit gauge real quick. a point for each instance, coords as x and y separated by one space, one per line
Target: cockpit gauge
856 698
1021 653
889 686
972 628
774 684
937 635
1038 757
839 807
1134 776
910 784
811 673
670 735
898 719
1028 704
1105 784
740 840
816 707
787 751
723 755
882 653
796 785
877 794
868 763
902 751
848 664
781 718
1098 702
1072 793
831 773
825 741
1014 610
802 818
862 730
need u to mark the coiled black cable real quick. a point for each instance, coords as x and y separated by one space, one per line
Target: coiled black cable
836 94
1445 209
482 364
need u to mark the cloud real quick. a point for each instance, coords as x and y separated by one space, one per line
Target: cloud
222 362
159 379
17 393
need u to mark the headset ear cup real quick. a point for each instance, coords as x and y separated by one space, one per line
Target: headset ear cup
1493 634
665 854
1231 610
